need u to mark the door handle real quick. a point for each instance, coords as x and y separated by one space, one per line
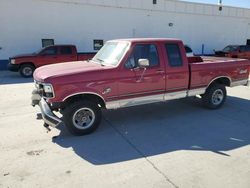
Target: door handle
160 71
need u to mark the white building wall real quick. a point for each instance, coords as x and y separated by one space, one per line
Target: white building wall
24 23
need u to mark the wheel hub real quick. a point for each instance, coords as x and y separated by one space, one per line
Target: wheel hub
27 71
217 97
83 118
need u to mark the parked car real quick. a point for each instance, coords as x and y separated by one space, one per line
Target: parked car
226 50
127 73
26 64
242 51
189 51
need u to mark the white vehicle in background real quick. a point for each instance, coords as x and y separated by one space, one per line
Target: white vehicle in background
189 51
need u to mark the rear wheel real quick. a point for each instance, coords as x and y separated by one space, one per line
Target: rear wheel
82 117
215 96
27 70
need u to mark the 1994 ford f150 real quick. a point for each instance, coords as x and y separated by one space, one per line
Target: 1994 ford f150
131 72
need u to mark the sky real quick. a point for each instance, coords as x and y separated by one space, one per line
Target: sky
237 3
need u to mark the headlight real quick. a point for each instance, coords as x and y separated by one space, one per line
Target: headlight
48 91
12 61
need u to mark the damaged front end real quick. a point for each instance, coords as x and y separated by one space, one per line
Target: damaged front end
39 97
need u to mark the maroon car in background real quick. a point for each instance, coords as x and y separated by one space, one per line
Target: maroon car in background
226 50
26 64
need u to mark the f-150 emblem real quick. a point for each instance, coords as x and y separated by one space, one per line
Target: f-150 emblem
106 91
243 71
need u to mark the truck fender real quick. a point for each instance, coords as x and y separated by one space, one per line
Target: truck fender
89 95
225 80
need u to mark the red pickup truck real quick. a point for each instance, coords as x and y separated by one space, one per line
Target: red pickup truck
131 72
26 64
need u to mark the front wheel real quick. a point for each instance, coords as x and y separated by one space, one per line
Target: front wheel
27 70
215 96
82 117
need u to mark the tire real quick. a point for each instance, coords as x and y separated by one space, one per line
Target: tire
82 117
215 96
26 70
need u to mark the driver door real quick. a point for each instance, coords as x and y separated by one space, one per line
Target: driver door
49 56
138 84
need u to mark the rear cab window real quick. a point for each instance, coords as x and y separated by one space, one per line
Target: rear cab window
174 55
66 50
143 51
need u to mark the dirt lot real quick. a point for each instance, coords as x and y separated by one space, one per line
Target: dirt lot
174 144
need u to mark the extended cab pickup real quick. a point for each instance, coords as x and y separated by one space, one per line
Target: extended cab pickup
131 72
26 64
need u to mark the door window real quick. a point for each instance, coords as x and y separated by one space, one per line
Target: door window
50 51
66 50
143 51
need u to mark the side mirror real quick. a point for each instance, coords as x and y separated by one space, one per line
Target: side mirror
143 63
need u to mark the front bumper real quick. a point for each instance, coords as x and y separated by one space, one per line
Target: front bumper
13 67
48 116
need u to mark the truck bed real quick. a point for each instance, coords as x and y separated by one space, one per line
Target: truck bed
212 59
209 68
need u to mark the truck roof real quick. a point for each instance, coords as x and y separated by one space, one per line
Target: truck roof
58 45
148 39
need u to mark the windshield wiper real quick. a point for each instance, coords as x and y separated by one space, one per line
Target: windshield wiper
101 61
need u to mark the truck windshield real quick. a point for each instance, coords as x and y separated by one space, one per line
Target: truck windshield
111 53
38 51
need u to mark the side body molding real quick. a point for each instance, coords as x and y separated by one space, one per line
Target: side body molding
154 98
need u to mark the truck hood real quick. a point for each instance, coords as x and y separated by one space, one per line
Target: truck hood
23 56
63 69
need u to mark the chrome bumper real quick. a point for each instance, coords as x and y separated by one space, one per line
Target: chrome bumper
48 116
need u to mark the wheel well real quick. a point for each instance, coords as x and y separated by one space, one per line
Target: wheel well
222 80
91 97
27 63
